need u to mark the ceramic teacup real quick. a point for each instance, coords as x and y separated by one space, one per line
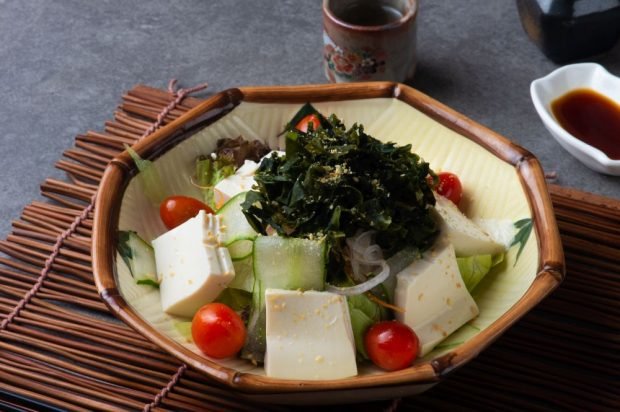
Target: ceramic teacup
366 40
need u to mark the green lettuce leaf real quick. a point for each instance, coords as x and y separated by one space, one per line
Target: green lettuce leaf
210 172
149 177
147 282
184 328
364 313
360 323
139 257
238 300
474 268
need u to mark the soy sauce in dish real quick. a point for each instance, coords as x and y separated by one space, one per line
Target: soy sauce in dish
592 118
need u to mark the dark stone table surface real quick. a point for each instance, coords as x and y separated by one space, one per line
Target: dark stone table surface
65 63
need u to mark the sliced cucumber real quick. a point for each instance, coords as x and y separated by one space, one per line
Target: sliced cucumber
240 249
238 234
244 275
289 263
283 263
238 300
256 340
139 257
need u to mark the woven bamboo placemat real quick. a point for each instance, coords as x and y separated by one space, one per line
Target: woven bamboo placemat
60 349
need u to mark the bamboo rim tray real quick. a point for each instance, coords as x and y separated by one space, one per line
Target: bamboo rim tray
63 351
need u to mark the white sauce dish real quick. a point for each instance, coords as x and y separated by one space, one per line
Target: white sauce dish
562 81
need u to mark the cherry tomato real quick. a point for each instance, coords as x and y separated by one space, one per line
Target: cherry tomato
303 124
218 331
175 210
391 345
450 187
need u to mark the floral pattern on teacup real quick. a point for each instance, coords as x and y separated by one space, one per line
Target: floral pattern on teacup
354 64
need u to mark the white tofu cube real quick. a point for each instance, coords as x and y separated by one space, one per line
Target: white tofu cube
231 186
191 265
434 297
467 238
241 181
248 168
309 335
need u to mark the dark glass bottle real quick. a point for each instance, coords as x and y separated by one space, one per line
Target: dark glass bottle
568 30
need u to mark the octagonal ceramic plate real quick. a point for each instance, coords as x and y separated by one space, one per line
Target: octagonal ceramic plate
502 181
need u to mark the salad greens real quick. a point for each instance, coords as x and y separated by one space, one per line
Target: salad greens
350 212
139 257
239 300
210 172
334 182
238 150
149 177
229 155
364 313
474 268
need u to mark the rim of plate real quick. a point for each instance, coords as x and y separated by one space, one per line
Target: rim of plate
550 271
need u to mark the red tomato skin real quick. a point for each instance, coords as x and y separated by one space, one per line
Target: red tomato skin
450 186
391 345
175 210
218 331
303 124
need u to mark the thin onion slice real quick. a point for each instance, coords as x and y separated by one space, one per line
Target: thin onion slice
362 287
364 255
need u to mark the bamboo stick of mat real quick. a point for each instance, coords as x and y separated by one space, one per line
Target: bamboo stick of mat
561 356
